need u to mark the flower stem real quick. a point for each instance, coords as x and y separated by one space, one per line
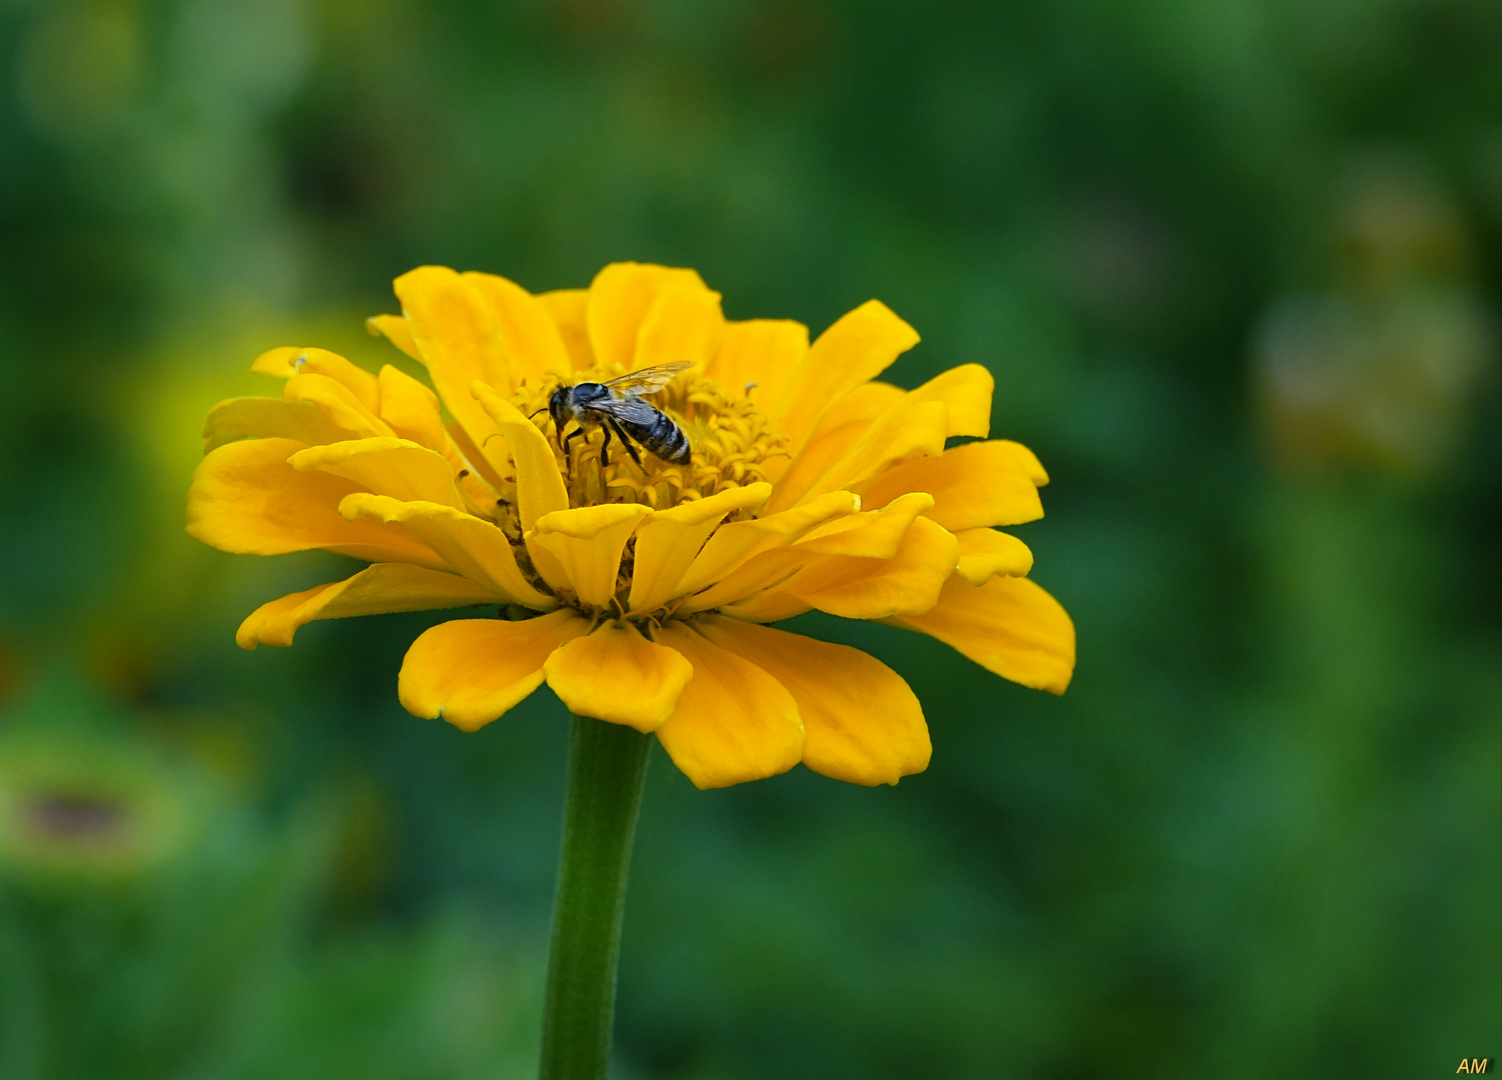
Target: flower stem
606 766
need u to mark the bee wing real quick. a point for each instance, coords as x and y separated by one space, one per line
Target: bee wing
648 380
630 410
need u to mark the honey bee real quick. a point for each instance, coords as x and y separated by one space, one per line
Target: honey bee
617 406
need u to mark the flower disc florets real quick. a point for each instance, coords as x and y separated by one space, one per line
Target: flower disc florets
640 590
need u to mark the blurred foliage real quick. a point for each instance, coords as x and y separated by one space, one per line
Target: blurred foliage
1234 266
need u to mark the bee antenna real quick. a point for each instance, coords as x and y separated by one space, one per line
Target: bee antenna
536 411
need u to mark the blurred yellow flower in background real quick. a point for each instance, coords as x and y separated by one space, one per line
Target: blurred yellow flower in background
640 590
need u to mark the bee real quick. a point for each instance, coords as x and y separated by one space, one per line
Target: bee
617 406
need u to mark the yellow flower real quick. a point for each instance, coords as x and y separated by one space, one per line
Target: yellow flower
648 586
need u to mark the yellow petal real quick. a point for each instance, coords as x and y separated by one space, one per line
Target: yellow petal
615 674
683 325
733 722
587 542
396 331
976 485
865 403
475 548
985 553
246 499
386 466
858 588
470 671
814 460
412 409
539 486
668 541
343 406
966 392
620 297
861 722
456 329
373 591
857 348
1009 626
276 362
768 606
908 430
484 461
570 311
733 544
263 417
760 351
1027 461
876 535
289 361
837 430
529 336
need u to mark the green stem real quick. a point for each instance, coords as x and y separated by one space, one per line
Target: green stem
606 766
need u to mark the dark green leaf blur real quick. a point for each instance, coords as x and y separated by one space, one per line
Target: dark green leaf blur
1235 266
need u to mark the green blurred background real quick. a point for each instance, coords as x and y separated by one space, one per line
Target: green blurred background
1234 265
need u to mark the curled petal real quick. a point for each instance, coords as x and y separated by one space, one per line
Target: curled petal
615 674
857 588
985 553
733 721
246 499
976 485
1009 626
620 297
539 487
966 393
864 404
263 417
733 544
1027 461
341 403
907 430
587 544
290 361
668 541
857 348
412 410
827 446
394 328
475 548
386 466
861 722
377 589
876 536
470 671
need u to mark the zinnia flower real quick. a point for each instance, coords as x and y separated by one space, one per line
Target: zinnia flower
642 593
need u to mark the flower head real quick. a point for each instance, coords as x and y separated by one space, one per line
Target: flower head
640 590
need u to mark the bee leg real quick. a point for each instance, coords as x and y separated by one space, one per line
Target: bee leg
605 446
564 446
619 434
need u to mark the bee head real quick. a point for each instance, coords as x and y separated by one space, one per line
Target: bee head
558 407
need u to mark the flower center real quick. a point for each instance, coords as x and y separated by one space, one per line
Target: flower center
730 441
